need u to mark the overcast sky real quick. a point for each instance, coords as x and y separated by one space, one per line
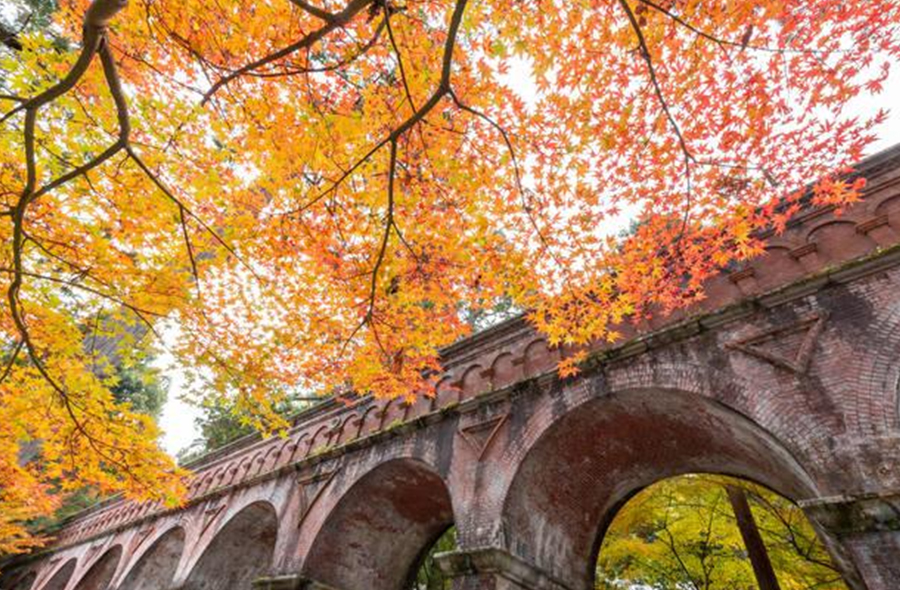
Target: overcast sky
178 417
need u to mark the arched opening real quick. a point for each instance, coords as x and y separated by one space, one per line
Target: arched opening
156 567
101 573
241 551
427 575
596 456
61 578
710 532
377 534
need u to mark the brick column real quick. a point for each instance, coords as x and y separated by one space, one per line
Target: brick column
493 568
289 582
866 532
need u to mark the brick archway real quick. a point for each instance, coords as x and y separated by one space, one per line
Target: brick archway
102 571
392 513
590 461
156 567
241 550
60 578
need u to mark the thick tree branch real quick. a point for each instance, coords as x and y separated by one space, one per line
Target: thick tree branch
339 20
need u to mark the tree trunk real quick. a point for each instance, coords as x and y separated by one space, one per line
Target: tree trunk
756 549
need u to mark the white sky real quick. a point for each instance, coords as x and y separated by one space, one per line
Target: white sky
177 419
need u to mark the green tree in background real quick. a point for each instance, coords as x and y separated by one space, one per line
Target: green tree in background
428 576
682 534
143 386
19 17
221 423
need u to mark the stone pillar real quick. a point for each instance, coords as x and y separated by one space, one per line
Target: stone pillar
289 582
864 533
493 568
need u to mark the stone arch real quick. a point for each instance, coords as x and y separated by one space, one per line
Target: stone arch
155 567
393 513
101 573
588 462
60 578
241 551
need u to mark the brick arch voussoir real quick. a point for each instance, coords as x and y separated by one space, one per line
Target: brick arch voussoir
211 518
137 549
875 407
86 567
731 392
614 409
421 512
348 473
46 576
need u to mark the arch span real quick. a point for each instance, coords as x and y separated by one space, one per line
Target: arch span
60 578
392 514
156 567
101 573
241 551
597 455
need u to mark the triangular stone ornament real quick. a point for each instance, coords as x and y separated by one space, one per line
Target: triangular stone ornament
312 486
209 515
789 347
481 435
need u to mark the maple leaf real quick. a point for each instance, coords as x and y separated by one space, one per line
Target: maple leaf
307 192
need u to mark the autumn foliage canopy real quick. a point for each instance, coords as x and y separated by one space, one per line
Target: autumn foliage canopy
309 193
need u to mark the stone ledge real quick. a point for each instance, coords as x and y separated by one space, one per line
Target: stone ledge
494 560
855 515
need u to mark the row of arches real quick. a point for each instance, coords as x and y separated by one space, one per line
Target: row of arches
567 487
241 550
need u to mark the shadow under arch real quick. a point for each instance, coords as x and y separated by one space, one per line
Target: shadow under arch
156 567
12 580
60 579
599 454
101 573
394 514
241 551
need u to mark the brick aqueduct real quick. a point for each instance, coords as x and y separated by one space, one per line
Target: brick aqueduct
787 375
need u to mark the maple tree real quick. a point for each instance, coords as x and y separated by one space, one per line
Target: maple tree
311 192
682 533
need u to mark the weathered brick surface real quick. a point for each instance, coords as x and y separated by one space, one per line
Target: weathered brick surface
787 375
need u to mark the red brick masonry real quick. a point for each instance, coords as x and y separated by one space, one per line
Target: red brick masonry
787 375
